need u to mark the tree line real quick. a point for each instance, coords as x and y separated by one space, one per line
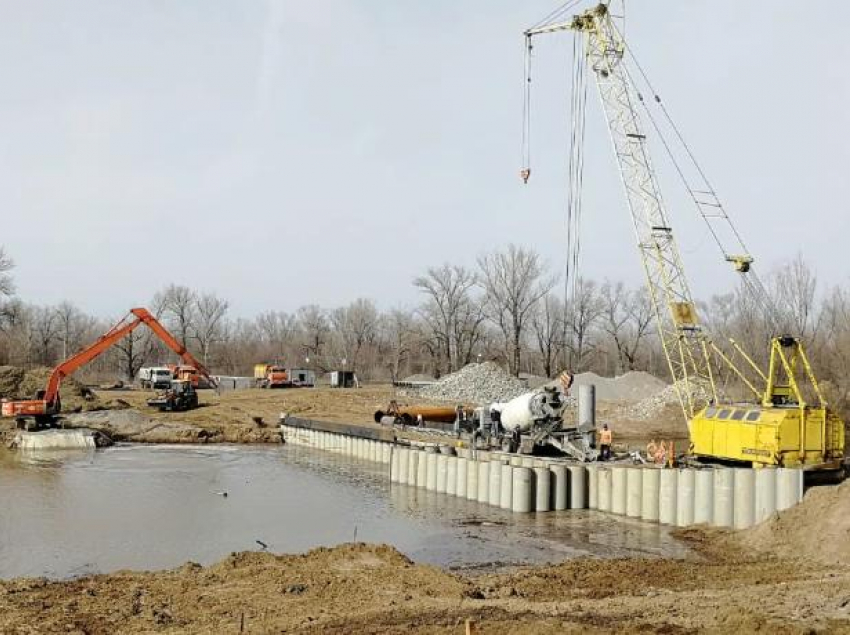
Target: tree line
509 308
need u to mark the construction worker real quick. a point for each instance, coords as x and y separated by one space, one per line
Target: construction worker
605 439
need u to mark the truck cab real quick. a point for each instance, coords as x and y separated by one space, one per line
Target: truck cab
155 377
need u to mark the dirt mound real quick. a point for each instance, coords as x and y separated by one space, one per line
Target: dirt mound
357 588
19 383
818 529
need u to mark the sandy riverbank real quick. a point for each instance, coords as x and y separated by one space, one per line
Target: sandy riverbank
359 588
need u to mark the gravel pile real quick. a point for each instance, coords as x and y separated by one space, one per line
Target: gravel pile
632 386
473 384
654 405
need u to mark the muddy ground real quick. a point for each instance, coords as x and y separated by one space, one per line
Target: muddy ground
251 416
359 588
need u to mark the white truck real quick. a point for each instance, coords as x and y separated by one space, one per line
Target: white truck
155 377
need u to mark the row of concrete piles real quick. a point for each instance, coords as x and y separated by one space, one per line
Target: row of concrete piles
722 497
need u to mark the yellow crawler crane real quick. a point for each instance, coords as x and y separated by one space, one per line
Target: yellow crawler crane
783 429
780 427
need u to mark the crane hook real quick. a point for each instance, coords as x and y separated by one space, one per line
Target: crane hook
525 174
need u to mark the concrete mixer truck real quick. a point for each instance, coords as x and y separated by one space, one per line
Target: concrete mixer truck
536 419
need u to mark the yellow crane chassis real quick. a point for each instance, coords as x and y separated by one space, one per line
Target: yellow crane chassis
777 436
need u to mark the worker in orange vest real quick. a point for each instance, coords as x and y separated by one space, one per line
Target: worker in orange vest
605 438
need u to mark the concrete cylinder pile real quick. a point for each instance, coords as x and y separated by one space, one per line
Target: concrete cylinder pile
681 497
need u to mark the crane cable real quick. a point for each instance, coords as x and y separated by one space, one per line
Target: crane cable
578 109
750 278
525 171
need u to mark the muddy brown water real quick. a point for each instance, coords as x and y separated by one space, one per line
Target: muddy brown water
152 507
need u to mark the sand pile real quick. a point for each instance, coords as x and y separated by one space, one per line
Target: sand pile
18 383
818 529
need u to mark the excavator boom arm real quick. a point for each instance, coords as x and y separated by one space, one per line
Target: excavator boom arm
117 332
145 316
120 330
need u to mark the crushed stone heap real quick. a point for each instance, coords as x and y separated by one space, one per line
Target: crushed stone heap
473 384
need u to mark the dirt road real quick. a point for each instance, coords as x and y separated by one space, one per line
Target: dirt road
359 588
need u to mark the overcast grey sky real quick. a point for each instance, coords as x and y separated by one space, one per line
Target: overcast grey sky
281 153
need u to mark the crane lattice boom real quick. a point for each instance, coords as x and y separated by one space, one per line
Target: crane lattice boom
685 344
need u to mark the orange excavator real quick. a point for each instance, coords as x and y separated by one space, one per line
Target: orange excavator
46 405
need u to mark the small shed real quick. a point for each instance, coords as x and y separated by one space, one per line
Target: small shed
343 379
302 377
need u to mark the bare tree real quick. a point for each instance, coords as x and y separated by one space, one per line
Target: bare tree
547 324
44 332
133 351
314 328
834 358
468 331
448 310
277 329
628 316
177 305
7 286
209 321
582 315
72 326
399 329
356 326
514 280
794 286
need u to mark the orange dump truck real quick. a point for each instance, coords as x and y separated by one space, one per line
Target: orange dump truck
271 376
